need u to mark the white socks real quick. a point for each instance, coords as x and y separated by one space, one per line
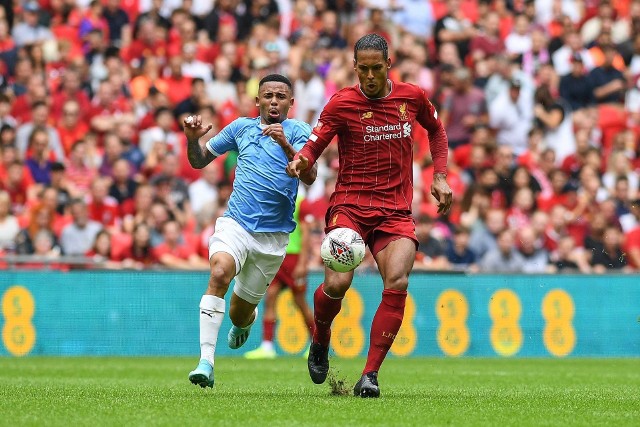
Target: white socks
211 314
267 345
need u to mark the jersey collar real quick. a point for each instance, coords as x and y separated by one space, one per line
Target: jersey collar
382 97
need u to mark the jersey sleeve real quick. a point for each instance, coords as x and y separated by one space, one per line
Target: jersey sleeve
438 143
323 132
225 140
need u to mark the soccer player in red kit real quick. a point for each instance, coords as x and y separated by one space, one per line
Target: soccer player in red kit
373 194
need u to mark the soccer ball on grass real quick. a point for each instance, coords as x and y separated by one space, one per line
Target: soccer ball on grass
342 250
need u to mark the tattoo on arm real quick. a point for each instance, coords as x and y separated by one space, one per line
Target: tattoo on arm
197 154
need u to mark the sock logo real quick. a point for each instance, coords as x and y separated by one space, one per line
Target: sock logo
388 335
205 313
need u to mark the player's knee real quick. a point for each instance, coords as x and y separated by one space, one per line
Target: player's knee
336 288
220 276
397 283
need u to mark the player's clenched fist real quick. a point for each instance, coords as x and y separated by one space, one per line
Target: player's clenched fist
194 129
276 132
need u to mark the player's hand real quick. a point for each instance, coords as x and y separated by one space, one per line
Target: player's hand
276 132
194 129
442 192
295 167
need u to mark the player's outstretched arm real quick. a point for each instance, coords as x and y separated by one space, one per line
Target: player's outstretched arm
197 153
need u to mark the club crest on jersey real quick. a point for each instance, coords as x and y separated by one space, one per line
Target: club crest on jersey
367 115
402 112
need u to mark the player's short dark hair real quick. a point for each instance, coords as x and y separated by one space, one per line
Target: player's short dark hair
276 78
371 42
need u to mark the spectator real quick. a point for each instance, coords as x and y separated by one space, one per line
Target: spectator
608 83
139 254
38 161
487 42
174 252
510 116
415 17
70 127
431 254
504 258
40 219
102 207
9 227
308 93
78 237
575 87
611 258
556 120
221 90
30 30
203 193
102 251
162 132
519 41
78 173
463 109
572 46
123 187
568 258
483 237
40 115
454 27
535 259
117 21
459 255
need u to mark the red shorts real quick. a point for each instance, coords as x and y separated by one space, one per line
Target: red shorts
285 274
377 226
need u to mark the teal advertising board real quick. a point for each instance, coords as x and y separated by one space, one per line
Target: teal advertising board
156 313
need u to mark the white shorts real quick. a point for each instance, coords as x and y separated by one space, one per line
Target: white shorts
258 256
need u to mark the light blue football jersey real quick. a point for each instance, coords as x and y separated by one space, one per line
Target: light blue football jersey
263 196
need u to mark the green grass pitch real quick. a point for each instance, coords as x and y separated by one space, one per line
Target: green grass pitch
40 391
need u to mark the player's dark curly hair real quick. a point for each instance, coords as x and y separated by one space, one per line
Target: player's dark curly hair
276 78
371 42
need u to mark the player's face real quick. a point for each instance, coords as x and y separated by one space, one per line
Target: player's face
372 69
274 100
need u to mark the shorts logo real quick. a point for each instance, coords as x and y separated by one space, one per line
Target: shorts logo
367 115
402 112
334 220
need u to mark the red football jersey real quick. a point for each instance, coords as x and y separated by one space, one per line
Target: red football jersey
375 144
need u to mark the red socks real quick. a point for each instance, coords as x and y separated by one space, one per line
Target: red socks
325 310
386 324
268 327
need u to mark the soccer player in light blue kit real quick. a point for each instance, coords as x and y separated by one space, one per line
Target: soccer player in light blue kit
249 240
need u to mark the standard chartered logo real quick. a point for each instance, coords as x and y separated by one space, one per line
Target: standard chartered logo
389 131
406 130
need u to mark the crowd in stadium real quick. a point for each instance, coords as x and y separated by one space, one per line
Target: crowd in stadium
540 100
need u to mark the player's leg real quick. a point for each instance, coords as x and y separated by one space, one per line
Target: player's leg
327 302
212 308
299 298
227 253
266 349
263 262
395 262
243 314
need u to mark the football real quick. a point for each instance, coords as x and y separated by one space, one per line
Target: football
342 250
